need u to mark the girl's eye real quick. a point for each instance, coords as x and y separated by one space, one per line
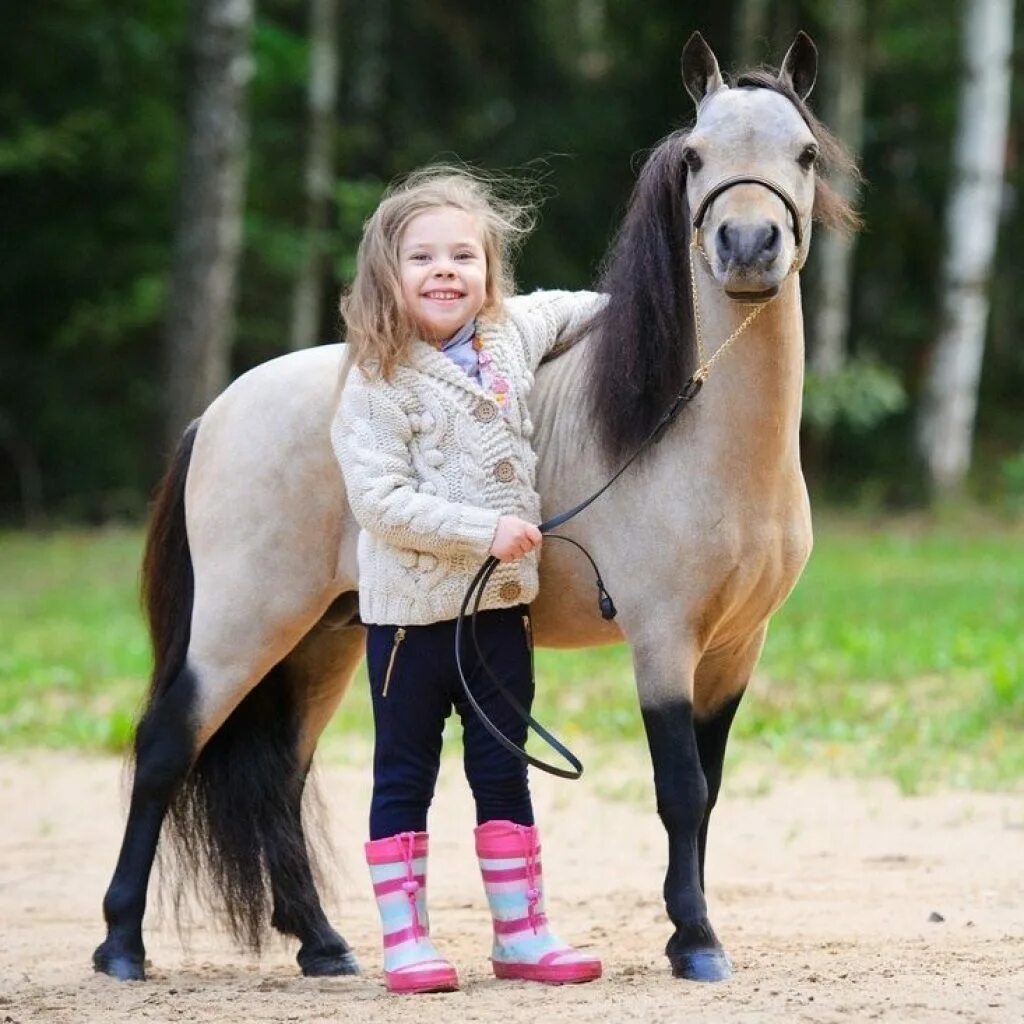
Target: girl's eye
419 257
464 256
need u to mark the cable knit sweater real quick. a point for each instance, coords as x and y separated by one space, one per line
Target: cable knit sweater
431 463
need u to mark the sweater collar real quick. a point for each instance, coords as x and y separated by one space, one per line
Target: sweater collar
429 360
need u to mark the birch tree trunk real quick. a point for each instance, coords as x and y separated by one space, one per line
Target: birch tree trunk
949 399
201 314
844 111
322 102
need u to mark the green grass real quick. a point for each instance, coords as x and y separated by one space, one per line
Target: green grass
74 655
900 653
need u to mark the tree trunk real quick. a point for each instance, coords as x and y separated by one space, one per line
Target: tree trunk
752 27
949 398
322 100
844 111
201 315
370 71
30 478
592 25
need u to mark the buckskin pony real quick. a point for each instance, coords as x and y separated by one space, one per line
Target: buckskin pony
250 577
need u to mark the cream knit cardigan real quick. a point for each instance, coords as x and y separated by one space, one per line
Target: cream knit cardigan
431 462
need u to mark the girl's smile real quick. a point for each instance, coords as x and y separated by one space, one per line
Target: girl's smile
443 270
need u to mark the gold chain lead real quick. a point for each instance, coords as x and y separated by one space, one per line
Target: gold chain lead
704 369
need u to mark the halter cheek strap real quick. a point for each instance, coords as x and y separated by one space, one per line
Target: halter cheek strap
749 179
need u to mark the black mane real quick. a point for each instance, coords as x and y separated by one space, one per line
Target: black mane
643 348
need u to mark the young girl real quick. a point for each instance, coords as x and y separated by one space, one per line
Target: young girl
433 437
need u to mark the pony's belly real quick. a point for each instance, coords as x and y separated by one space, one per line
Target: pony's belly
566 614
556 631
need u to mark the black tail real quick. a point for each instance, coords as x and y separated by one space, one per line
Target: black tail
167 583
236 822
235 819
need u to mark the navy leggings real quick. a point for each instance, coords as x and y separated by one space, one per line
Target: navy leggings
414 684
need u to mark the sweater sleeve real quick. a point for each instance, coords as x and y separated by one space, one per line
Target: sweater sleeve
370 435
545 317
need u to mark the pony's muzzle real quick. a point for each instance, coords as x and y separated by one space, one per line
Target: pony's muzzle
748 247
748 254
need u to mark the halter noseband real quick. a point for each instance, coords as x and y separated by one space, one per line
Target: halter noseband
749 179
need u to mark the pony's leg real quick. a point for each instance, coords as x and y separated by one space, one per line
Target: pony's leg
712 735
171 742
721 680
319 669
165 740
664 673
164 746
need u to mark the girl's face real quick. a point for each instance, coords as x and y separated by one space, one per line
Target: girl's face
443 269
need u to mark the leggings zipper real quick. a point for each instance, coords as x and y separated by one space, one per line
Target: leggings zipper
399 637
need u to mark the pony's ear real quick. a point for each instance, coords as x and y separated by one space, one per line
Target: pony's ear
800 65
700 69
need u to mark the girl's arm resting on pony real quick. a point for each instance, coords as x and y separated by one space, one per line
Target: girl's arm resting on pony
371 435
545 317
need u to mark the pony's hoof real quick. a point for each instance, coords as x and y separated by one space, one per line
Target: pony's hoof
702 965
329 965
122 966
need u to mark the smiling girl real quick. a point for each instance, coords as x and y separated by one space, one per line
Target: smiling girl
432 434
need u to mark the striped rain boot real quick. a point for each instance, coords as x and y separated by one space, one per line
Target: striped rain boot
398 868
524 948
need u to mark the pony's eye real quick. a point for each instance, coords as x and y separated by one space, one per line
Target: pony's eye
808 157
692 160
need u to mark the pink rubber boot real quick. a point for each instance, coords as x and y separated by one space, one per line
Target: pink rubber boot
398 868
524 947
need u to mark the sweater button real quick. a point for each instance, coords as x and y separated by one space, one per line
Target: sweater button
509 591
485 411
505 471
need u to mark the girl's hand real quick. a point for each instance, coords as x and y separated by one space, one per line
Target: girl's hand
514 538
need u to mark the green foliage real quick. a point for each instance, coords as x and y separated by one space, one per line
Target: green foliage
899 653
1012 479
356 200
91 120
859 396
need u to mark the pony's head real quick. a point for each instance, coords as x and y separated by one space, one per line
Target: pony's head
754 234
644 350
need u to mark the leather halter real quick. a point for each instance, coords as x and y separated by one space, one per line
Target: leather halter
750 179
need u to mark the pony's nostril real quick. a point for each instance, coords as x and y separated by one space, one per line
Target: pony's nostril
723 242
772 241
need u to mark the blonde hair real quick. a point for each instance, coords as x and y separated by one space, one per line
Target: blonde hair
380 329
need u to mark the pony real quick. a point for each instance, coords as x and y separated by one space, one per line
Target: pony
250 577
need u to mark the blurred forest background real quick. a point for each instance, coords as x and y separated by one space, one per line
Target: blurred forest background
323 102
182 187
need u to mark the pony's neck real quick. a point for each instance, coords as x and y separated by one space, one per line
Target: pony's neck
754 393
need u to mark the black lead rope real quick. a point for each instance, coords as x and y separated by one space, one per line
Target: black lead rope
475 594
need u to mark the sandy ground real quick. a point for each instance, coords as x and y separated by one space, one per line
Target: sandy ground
820 889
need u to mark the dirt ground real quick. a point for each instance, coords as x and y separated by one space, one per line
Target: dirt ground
820 889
